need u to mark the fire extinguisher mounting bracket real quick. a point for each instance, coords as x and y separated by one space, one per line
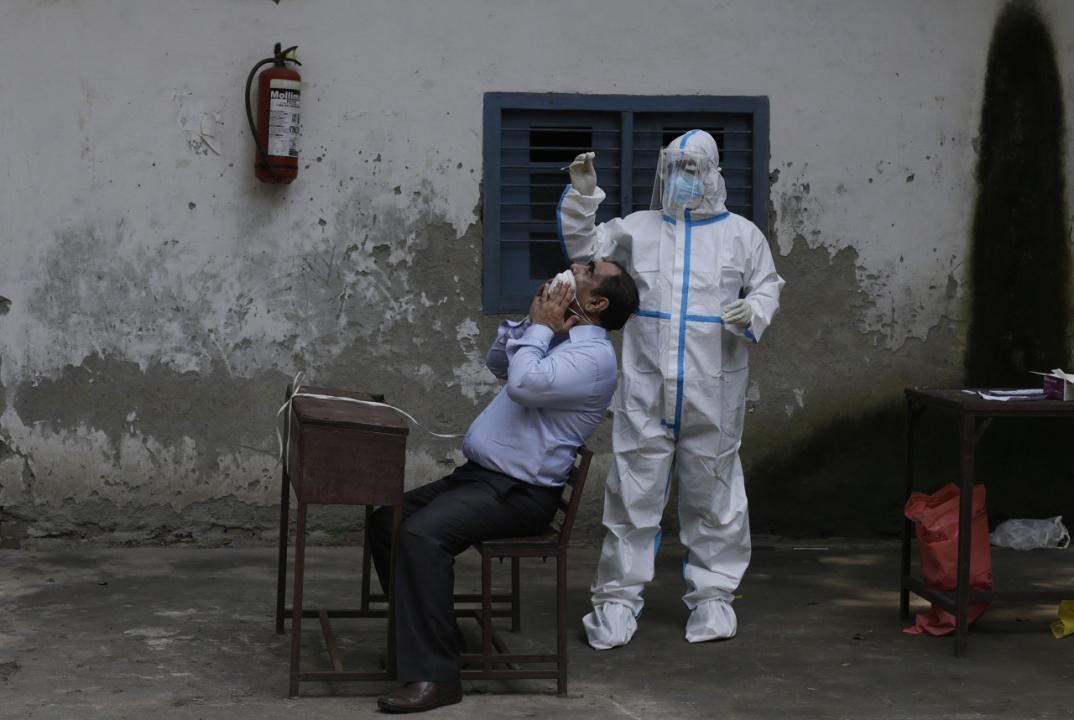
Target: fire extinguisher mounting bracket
290 55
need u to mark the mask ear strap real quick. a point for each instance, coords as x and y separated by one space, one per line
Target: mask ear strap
582 312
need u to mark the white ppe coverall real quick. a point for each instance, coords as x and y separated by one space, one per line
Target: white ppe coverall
682 393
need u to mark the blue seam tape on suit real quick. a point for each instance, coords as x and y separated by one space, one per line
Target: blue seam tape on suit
682 143
714 219
667 489
683 317
682 327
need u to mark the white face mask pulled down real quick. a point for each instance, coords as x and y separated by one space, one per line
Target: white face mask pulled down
567 278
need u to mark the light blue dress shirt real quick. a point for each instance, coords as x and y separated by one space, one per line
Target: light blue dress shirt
555 397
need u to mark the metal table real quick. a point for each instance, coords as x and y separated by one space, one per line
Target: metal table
974 414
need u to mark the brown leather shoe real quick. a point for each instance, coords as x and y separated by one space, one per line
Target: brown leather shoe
421 696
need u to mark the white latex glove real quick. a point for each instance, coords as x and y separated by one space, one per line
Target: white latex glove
738 313
583 176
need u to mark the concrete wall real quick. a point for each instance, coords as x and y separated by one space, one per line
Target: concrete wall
158 298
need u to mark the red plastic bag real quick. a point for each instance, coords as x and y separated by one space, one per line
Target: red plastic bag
936 524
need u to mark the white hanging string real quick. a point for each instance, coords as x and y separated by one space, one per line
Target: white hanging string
295 392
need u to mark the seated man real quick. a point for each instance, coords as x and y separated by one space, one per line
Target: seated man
560 369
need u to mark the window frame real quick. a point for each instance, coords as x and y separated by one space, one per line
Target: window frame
627 105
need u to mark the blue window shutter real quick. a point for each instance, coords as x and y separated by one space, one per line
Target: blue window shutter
530 137
534 146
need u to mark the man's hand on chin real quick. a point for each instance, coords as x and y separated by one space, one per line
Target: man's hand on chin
550 309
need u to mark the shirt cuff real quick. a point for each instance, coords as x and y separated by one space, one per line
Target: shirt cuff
539 333
512 328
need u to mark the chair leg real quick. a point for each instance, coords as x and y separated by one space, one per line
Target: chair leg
516 597
561 623
397 523
486 612
366 561
281 566
296 612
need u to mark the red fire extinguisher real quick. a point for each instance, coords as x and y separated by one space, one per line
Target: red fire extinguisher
279 90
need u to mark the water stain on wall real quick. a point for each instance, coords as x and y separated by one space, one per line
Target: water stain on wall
162 422
217 410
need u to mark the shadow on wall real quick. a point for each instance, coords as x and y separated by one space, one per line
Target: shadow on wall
1020 302
828 458
841 480
1019 252
847 478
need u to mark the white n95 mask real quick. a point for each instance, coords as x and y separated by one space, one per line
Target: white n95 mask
564 278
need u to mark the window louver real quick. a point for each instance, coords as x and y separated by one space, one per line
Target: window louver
530 138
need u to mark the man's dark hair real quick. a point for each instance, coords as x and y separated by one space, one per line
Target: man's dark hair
622 296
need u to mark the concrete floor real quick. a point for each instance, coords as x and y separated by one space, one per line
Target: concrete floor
161 633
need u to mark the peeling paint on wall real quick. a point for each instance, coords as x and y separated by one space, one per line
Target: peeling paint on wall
199 125
472 377
903 302
103 291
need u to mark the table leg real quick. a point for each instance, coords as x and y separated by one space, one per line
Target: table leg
296 612
907 526
281 566
965 532
285 517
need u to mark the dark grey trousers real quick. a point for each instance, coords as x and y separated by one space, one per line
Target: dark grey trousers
440 520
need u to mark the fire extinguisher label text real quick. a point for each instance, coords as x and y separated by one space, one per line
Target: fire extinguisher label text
283 117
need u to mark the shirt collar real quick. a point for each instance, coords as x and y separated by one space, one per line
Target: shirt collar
587 332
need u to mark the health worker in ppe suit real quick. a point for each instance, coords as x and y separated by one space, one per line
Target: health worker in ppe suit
709 289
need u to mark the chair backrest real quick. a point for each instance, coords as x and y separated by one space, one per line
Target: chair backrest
572 495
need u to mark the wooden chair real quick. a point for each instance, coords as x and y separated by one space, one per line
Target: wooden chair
551 544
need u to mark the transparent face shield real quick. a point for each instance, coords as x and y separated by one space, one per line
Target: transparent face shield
680 180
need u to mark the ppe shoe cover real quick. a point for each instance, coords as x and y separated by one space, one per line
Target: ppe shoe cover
609 625
711 620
